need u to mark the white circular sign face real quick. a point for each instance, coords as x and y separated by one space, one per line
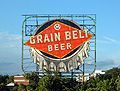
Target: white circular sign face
57 26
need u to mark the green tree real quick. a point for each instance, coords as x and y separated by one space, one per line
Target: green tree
45 83
3 81
91 89
22 87
103 85
118 84
10 79
29 88
33 77
91 83
112 85
15 88
114 72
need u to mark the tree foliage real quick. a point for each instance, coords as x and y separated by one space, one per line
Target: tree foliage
52 81
33 77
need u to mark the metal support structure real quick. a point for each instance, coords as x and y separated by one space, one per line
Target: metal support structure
30 24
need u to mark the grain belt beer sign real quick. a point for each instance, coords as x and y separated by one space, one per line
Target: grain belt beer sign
59 39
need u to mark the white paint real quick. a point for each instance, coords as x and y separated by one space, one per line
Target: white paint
63 46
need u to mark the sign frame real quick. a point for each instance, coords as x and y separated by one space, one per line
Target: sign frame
91 25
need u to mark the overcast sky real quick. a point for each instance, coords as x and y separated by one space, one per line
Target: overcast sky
108 31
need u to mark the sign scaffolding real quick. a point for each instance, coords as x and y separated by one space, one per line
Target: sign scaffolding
63 43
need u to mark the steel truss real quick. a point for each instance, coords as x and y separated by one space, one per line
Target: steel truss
86 21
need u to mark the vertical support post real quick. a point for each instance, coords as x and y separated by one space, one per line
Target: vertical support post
71 59
37 66
24 22
95 42
84 61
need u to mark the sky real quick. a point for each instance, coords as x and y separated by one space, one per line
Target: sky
107 23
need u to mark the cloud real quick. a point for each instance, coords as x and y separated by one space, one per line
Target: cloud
9 36
10 68
106 64
102 41
9 40
10 52
108 40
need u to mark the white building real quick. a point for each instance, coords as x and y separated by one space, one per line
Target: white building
87 76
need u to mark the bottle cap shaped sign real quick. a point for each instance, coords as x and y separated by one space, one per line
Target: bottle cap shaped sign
58 38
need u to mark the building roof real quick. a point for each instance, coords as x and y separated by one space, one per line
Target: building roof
10 84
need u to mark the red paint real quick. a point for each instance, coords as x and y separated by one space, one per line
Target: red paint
69 38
